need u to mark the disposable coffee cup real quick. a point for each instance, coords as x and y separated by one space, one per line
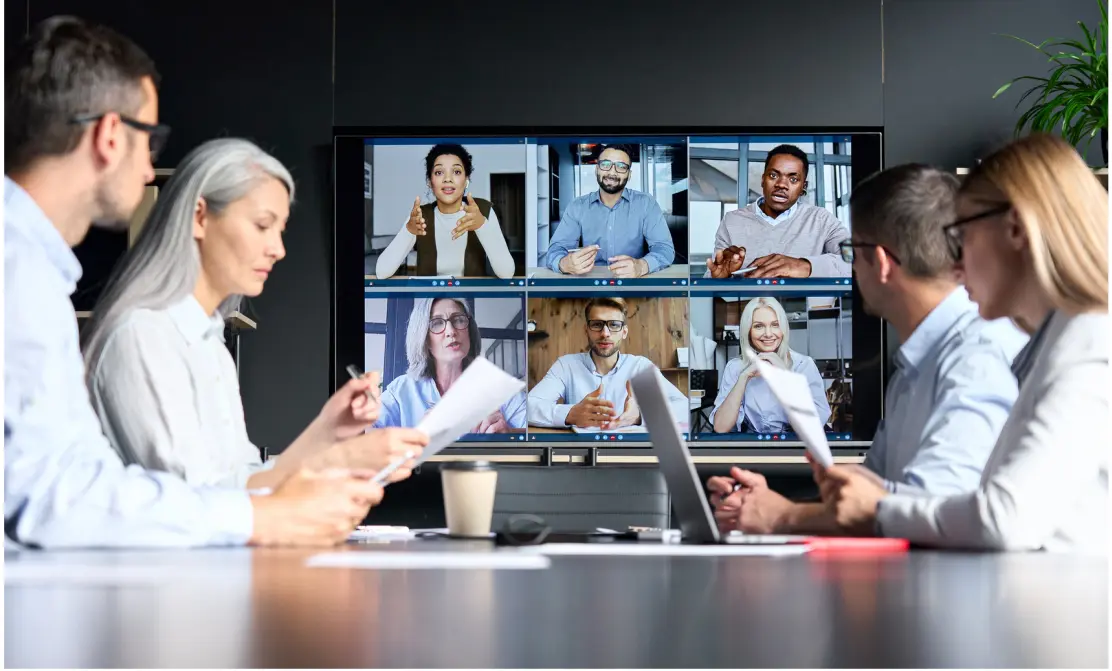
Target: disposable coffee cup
468 497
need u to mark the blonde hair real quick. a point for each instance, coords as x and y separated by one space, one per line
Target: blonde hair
1064 210
748 354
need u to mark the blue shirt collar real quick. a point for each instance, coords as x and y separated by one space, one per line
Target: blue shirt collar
597 198
928 335
784 216
22 212
589 362
194 324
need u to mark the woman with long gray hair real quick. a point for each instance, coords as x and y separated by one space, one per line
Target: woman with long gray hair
162 381
441 340
745 403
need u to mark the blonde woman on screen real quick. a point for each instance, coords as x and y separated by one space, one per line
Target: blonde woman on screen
744 399
1031 241
159 374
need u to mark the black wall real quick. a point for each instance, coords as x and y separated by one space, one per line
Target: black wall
923 69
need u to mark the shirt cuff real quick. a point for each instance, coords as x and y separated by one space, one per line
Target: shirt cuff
560 416
229 515
554 264
653 263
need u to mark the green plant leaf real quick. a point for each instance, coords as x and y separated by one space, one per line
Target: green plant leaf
1000 90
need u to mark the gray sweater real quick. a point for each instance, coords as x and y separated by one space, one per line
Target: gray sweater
810 233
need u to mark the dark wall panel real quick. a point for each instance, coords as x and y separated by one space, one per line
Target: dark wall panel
943 62
813 62
264 74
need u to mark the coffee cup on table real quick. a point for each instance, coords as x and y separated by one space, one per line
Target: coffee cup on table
468 496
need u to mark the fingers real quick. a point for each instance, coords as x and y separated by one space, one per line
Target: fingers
416 211
409 437
596 393
720 485
748 479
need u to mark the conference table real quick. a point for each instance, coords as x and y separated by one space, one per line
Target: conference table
265 608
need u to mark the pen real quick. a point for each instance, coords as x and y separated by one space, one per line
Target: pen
381 477
373 392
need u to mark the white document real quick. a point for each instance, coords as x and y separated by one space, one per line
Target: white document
481 390
794 394
507 559
665 549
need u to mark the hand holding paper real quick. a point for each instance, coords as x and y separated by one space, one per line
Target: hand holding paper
795 396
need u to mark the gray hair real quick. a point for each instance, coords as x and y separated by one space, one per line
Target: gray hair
163 266
417 337
904 209
748 354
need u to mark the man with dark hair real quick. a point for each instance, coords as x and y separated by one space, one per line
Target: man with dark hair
778 236
953 387
80 135
586 389
616 227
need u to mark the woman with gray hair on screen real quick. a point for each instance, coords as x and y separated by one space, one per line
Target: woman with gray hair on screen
744 399
441 340
161 380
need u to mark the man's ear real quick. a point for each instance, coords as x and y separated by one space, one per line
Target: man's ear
200 219
803 192
108 138
885 265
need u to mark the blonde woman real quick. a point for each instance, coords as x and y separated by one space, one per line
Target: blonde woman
745 403
1031 241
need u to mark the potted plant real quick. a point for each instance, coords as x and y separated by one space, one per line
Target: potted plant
1075 91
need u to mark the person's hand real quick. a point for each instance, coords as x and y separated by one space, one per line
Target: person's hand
374 451
593 410
627 266
352 409
852 499
774 359
471 220
762 511
493 423
778 265
313 508
579 262
416 223
631 412
726 502
726 261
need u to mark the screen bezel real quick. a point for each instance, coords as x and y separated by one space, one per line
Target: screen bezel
346 341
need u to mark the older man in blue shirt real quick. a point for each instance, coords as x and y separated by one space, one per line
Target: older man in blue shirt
953 387
612 226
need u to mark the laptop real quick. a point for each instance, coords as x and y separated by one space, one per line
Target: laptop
689 498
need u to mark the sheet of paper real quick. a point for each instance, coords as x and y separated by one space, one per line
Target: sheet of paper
432 559
664 550
481 390
794 394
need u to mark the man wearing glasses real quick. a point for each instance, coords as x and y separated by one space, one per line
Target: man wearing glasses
612 227
591 389
953 385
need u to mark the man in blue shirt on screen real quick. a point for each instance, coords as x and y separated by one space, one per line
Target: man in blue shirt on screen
612 226
953 387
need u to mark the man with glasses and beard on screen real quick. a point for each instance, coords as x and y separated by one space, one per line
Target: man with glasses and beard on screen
612 226
591 389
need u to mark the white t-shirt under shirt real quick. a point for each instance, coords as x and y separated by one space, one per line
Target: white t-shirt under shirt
449 252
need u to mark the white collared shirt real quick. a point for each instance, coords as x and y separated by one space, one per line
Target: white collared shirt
64 487
166 391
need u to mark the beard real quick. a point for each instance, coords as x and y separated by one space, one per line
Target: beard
113 213
598 352
612 188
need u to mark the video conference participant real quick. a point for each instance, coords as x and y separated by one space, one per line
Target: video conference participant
1031 242
81 131
592 389
160 377
442 339
745 403
465 229
613 226
778 235
953 386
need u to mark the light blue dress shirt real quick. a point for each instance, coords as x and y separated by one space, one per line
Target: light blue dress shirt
406 400
64 486
759 405
784 216
573 376
635 221
947 402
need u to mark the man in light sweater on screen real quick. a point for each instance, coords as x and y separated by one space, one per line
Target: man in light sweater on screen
778 236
